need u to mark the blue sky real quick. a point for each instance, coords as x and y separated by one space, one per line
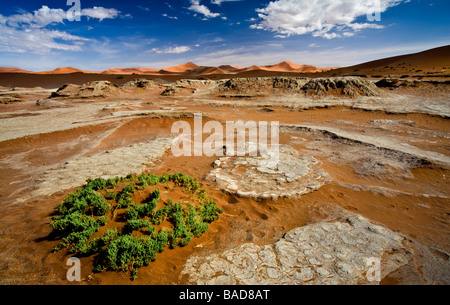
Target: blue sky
97 35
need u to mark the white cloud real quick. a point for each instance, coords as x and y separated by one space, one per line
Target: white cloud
38 41
27 32
202 9
144 8
40 18
45 16
100 13
170 17
321 18
219 2
320 57
172 50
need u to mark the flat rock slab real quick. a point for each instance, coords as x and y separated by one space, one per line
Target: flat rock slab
334 253
261 177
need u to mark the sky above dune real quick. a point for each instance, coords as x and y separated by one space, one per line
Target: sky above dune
97 35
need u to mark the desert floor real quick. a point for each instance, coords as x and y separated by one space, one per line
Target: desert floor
387 158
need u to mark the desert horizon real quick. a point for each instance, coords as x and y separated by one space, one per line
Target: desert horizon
224 148
426 58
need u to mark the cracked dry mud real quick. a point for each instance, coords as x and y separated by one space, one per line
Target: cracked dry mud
282 172
109 164
334 253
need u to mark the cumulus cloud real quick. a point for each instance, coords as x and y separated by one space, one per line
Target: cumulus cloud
38 41
172 50
100 13
40 18
45 16
321 18
202 9
27 32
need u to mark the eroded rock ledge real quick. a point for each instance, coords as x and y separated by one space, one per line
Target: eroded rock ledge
332 253
238 87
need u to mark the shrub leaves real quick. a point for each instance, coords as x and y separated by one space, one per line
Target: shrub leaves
84 211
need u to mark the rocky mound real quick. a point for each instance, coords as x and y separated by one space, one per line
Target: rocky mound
91 89
261 85
268 176
341 86
316 87
139 83
335 253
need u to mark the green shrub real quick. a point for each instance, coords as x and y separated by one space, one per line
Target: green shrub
99 244
96 184
77 229
102 220
136 224
111 183
110 195
124 197
82 213
210 211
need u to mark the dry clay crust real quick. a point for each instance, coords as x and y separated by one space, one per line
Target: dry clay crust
335 253
266 176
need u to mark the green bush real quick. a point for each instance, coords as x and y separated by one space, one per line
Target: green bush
82 213
124 197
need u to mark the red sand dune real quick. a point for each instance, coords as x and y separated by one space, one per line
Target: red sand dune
65 70
436 60
180 68
183 69
230 69
285 66
13 70
129 71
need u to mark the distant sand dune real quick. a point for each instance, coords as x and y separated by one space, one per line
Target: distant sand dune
429 63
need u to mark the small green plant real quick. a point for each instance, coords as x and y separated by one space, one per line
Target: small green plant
84 211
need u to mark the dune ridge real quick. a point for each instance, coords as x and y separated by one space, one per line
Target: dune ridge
183 69
433 61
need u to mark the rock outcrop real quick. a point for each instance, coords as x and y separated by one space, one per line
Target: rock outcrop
315 87
335 253
261 85
170 91
341 86
141 83
237 87
88 90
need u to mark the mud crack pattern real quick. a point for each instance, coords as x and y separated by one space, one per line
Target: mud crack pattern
331 253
